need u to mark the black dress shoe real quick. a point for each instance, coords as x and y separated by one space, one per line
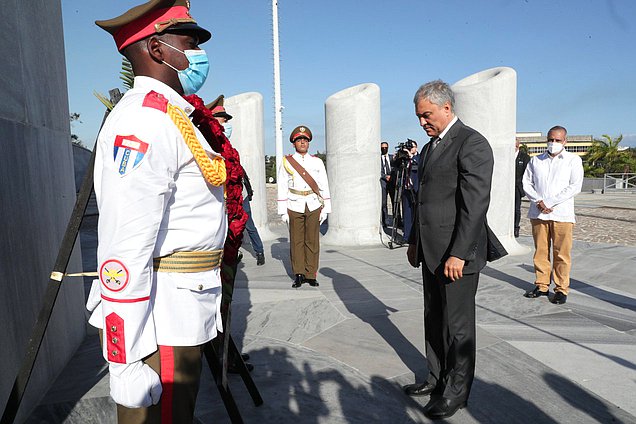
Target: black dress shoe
298 281
443 408
535 293
260 259
312 282
516 232
419 389
559 298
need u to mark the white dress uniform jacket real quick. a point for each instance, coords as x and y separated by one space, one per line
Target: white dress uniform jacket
555 180
288 178
153 200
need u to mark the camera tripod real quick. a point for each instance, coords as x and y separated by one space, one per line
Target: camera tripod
397 203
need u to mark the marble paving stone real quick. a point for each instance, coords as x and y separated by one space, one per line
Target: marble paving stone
97 410
512 387
371 307
291 320
377 345
302 386
578 341
387 346
563 326
266 295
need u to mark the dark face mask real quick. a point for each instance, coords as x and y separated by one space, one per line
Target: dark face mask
384 150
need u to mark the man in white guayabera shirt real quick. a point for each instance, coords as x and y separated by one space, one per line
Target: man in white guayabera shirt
551 181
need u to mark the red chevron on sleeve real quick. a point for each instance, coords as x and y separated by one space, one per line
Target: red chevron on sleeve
156 101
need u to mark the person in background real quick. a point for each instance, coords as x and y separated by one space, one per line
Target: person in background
551 181
385 180
303 203
220 114
521 162
409 194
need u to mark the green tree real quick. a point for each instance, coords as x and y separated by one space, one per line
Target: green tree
605 157
75 117
270 168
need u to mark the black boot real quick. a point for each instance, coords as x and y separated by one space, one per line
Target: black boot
298 281
260 259
312 282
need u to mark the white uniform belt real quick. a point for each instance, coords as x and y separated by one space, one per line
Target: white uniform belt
301 192
188 261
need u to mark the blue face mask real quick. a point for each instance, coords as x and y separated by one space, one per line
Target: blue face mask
228 130
193 77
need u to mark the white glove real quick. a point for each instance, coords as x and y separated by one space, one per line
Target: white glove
323 216
134 385
285 218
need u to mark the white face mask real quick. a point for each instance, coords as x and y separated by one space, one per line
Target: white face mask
554 148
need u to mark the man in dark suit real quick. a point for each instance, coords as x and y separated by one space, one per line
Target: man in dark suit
450 238
521 162
385 179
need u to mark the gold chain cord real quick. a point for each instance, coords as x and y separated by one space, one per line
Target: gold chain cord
213 170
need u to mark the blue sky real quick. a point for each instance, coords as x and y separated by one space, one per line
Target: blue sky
575 59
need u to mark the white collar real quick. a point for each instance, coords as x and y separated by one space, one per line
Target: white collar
448 127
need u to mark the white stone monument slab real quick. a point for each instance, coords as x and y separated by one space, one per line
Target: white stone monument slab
247 137
487 102
352 126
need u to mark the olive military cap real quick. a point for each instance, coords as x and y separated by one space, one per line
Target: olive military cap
153 17
300 131
217 108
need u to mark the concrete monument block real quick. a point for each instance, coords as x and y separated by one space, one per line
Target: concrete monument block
38 193
487 102
247 137
352 124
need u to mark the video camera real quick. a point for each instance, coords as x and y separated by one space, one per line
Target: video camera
402 155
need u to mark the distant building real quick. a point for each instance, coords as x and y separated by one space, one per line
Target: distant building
535 141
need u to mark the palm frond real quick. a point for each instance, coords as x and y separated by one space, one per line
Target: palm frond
127 75
105 100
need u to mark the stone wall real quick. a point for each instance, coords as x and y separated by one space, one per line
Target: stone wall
37 194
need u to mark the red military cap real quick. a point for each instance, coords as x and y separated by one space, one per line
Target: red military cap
300 131
217 108
153 17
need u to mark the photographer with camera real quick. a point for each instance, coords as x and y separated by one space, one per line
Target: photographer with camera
406 160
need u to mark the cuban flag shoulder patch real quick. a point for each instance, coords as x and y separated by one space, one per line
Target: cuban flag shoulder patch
128 152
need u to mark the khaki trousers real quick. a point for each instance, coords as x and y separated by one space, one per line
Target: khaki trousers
304 241
559 236
179 369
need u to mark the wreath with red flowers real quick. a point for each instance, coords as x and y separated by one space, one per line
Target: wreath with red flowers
236 215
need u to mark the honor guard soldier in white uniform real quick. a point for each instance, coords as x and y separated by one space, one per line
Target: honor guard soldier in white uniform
303 203
162 220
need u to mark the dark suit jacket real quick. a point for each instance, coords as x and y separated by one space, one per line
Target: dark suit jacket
521 162
383 174
453 199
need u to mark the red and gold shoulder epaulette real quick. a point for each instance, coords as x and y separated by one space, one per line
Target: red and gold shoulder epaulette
156 101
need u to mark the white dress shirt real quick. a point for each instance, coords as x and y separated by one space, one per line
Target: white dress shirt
555 180
288 178
153 200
